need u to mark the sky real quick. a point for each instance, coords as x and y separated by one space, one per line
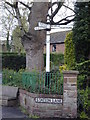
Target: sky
59 16
63 12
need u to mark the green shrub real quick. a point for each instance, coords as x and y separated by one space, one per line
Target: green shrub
13 61
84 67
63 67
82 81
12 78
56 59
82 84
83 103
69 55
83 115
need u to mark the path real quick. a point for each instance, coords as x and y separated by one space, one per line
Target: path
12 112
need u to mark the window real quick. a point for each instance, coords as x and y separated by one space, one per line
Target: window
54 48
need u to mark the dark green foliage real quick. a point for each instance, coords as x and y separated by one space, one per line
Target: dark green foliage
69 56
82 82
84 73
84 67
56 59
81 31
81 40
13 61
83 103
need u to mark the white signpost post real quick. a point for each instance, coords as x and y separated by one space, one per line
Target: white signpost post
47 27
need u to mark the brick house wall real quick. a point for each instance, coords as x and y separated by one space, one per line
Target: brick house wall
57 41
60 48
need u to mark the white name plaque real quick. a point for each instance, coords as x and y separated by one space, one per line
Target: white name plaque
48 100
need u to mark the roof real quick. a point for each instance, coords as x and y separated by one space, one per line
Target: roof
58 37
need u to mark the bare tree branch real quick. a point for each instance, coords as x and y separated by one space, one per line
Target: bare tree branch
57 9
19 18
64 23
10 12
65 19
26 5
69 8
9 4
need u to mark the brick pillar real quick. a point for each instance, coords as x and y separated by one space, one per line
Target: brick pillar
70 94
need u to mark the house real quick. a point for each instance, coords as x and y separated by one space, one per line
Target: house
57 42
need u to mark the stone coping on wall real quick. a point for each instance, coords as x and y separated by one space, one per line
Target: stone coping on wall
70 72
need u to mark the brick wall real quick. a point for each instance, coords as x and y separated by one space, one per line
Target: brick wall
27 100
66 109
60 48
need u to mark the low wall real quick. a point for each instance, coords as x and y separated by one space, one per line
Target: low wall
36 104
45 105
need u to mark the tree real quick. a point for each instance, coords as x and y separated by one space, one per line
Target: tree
33 41
16 36
81 31
16 44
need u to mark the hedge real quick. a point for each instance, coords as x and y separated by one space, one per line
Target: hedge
15 61
84 67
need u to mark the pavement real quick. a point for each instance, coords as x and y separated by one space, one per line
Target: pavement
11 112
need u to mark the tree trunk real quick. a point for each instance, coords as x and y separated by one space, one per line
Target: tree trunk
34 44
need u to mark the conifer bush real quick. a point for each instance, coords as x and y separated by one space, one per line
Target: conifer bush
69 55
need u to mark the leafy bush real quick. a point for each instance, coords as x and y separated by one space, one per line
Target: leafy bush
84 67
83 115
63 67
56 59
83 103
82 81
13 61
12 78
82 84
69 55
